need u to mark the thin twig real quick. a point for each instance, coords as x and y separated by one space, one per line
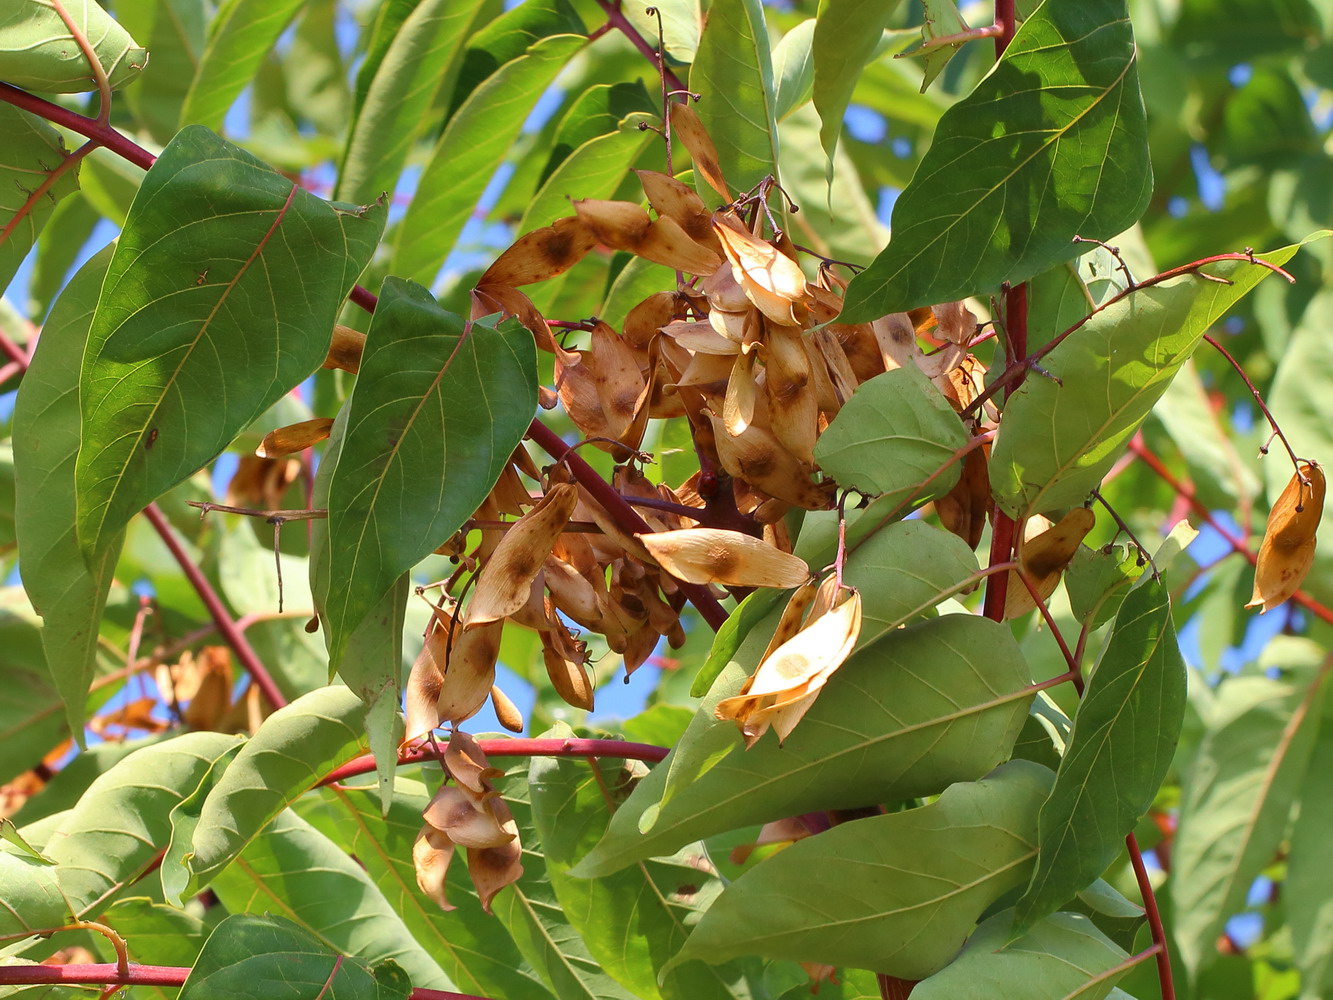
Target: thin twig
1154 916
1263 407
616 18
227 628
89 128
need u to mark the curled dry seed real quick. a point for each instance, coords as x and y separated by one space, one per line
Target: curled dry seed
714 555
294 437
466 817
541 254
345 349
687 127
757 457
964 509
677 201
563 658
1045 553
488 299
431 853
623 225
772 281
506 711
505 580
1288 548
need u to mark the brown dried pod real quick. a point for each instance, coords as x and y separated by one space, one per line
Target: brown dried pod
506 711
759 458
563 658
493 868
1288 548
1045 553
345 349
649 316
489 299
964 509
541 254
503 586
623 225
686 126
792 405
772 281
620 384
431 853
677 200
714 555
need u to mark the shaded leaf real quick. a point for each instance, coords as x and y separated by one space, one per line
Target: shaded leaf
269 958
463 941
423 57
793 69
33 152
1064 955
1058 440
883 880
175 32
241 34
1308 889
68 592
38 52
474 143
1124 737
733 70
847 33
931 704
188 312
1052 143
894 433
294 748
1236 803
294 870
437 410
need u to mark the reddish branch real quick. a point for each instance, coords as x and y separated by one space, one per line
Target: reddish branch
143 975
102 134
618 20
514 748
1154 916
226 625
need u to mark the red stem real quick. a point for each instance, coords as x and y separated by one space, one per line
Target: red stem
226 626
1006 19
1154 918
1003 528
144 975
513 748
615 17
90 128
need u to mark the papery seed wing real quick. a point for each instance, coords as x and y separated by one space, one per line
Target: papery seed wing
1288 549
541 254
502 588
294 437
714 555
687 127
345 349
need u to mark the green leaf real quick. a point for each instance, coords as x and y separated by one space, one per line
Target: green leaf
682 24
931 704
895 432
295 871
1051 144
1124 737
438 408
734 631
223 288
463 941
33 900
1060 439
474 144
114 834
293 749
68 592
847 32
426 50
793 69
733 70
1236 802
595 169
175 32
74 218
1097 581
38 52
571 806
32 154
1064 955
162 935
1307 890
268 958
897 893
241 34
537 922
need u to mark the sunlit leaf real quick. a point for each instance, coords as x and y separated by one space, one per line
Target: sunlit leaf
240 35
1051 144
931 704
882 879
223 288
38 52
1124 737
33 152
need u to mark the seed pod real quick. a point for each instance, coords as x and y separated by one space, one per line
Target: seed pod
713 555
897 340
503 585
792 406
623 225
345 349
488 299
1043 557
573 594
759 458
506 711
687 127
701 338
772 281
466 818
541 254
788 680
649 316
294 437
677 201
431 853
1288 548
493 868
616 375
563 657
738 406
964 509
793 616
